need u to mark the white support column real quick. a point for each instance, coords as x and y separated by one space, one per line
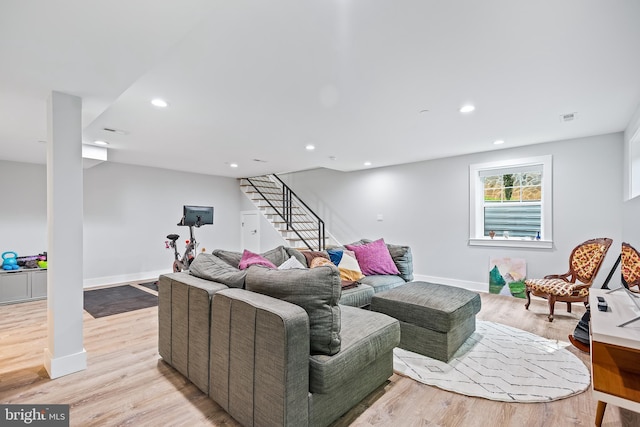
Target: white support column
65 353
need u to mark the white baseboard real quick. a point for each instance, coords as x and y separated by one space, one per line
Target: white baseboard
65 365
123 278
472 286
153 275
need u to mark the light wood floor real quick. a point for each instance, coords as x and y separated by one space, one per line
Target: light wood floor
126 382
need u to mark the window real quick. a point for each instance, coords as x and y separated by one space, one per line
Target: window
511 200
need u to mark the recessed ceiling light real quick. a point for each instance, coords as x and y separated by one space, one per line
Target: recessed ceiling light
467 109
159 102
233 165
100 142
498 142
310 147
367 163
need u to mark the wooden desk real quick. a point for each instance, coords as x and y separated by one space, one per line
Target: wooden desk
615 352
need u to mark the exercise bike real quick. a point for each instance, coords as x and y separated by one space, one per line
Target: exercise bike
182 263
194 216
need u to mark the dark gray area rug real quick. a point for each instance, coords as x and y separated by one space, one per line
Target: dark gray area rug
116 300
151 285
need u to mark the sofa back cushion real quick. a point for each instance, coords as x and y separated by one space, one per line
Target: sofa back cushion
210 267
276 255
317 290
403 259
230 257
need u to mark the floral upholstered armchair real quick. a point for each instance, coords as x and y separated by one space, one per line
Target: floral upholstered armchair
572 286
630 265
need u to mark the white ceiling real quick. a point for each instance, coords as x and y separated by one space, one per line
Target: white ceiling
252 80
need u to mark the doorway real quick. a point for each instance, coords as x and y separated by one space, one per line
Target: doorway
250 230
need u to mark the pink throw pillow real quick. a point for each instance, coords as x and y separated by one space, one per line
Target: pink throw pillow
249 258
374 258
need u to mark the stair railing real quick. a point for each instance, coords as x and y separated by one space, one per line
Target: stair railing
289 200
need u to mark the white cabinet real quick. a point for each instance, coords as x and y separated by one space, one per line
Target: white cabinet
22 285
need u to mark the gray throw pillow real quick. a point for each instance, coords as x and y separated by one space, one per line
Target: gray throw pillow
276 255
403 259
317 290
210 267
230 257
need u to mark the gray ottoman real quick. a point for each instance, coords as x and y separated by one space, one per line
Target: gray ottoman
434 319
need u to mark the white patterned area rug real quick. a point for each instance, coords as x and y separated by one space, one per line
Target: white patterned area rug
499 362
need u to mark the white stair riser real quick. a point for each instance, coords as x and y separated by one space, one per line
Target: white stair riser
306 224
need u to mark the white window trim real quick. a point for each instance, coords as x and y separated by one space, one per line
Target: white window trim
476 197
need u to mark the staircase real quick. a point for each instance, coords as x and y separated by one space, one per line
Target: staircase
289 215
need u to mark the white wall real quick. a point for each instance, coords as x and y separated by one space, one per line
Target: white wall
631 222
426 205
269 237
23 208
128 212
632 157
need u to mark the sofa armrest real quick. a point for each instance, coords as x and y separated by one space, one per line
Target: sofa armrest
184 305
259 369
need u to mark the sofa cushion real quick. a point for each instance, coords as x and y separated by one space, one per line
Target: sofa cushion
210 267
382 282
365 336
276 255
317 290
249 258
230 257
403 258
374 258
357 296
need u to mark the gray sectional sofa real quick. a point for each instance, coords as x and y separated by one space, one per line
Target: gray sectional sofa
278 347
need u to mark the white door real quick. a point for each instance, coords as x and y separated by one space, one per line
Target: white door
250 230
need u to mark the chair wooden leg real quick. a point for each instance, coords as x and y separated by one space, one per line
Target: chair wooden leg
552 304
600 412
568 307
527 292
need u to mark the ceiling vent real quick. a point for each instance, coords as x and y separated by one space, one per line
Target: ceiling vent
569 117
118 131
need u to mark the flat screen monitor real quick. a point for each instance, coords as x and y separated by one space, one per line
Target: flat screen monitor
197 215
